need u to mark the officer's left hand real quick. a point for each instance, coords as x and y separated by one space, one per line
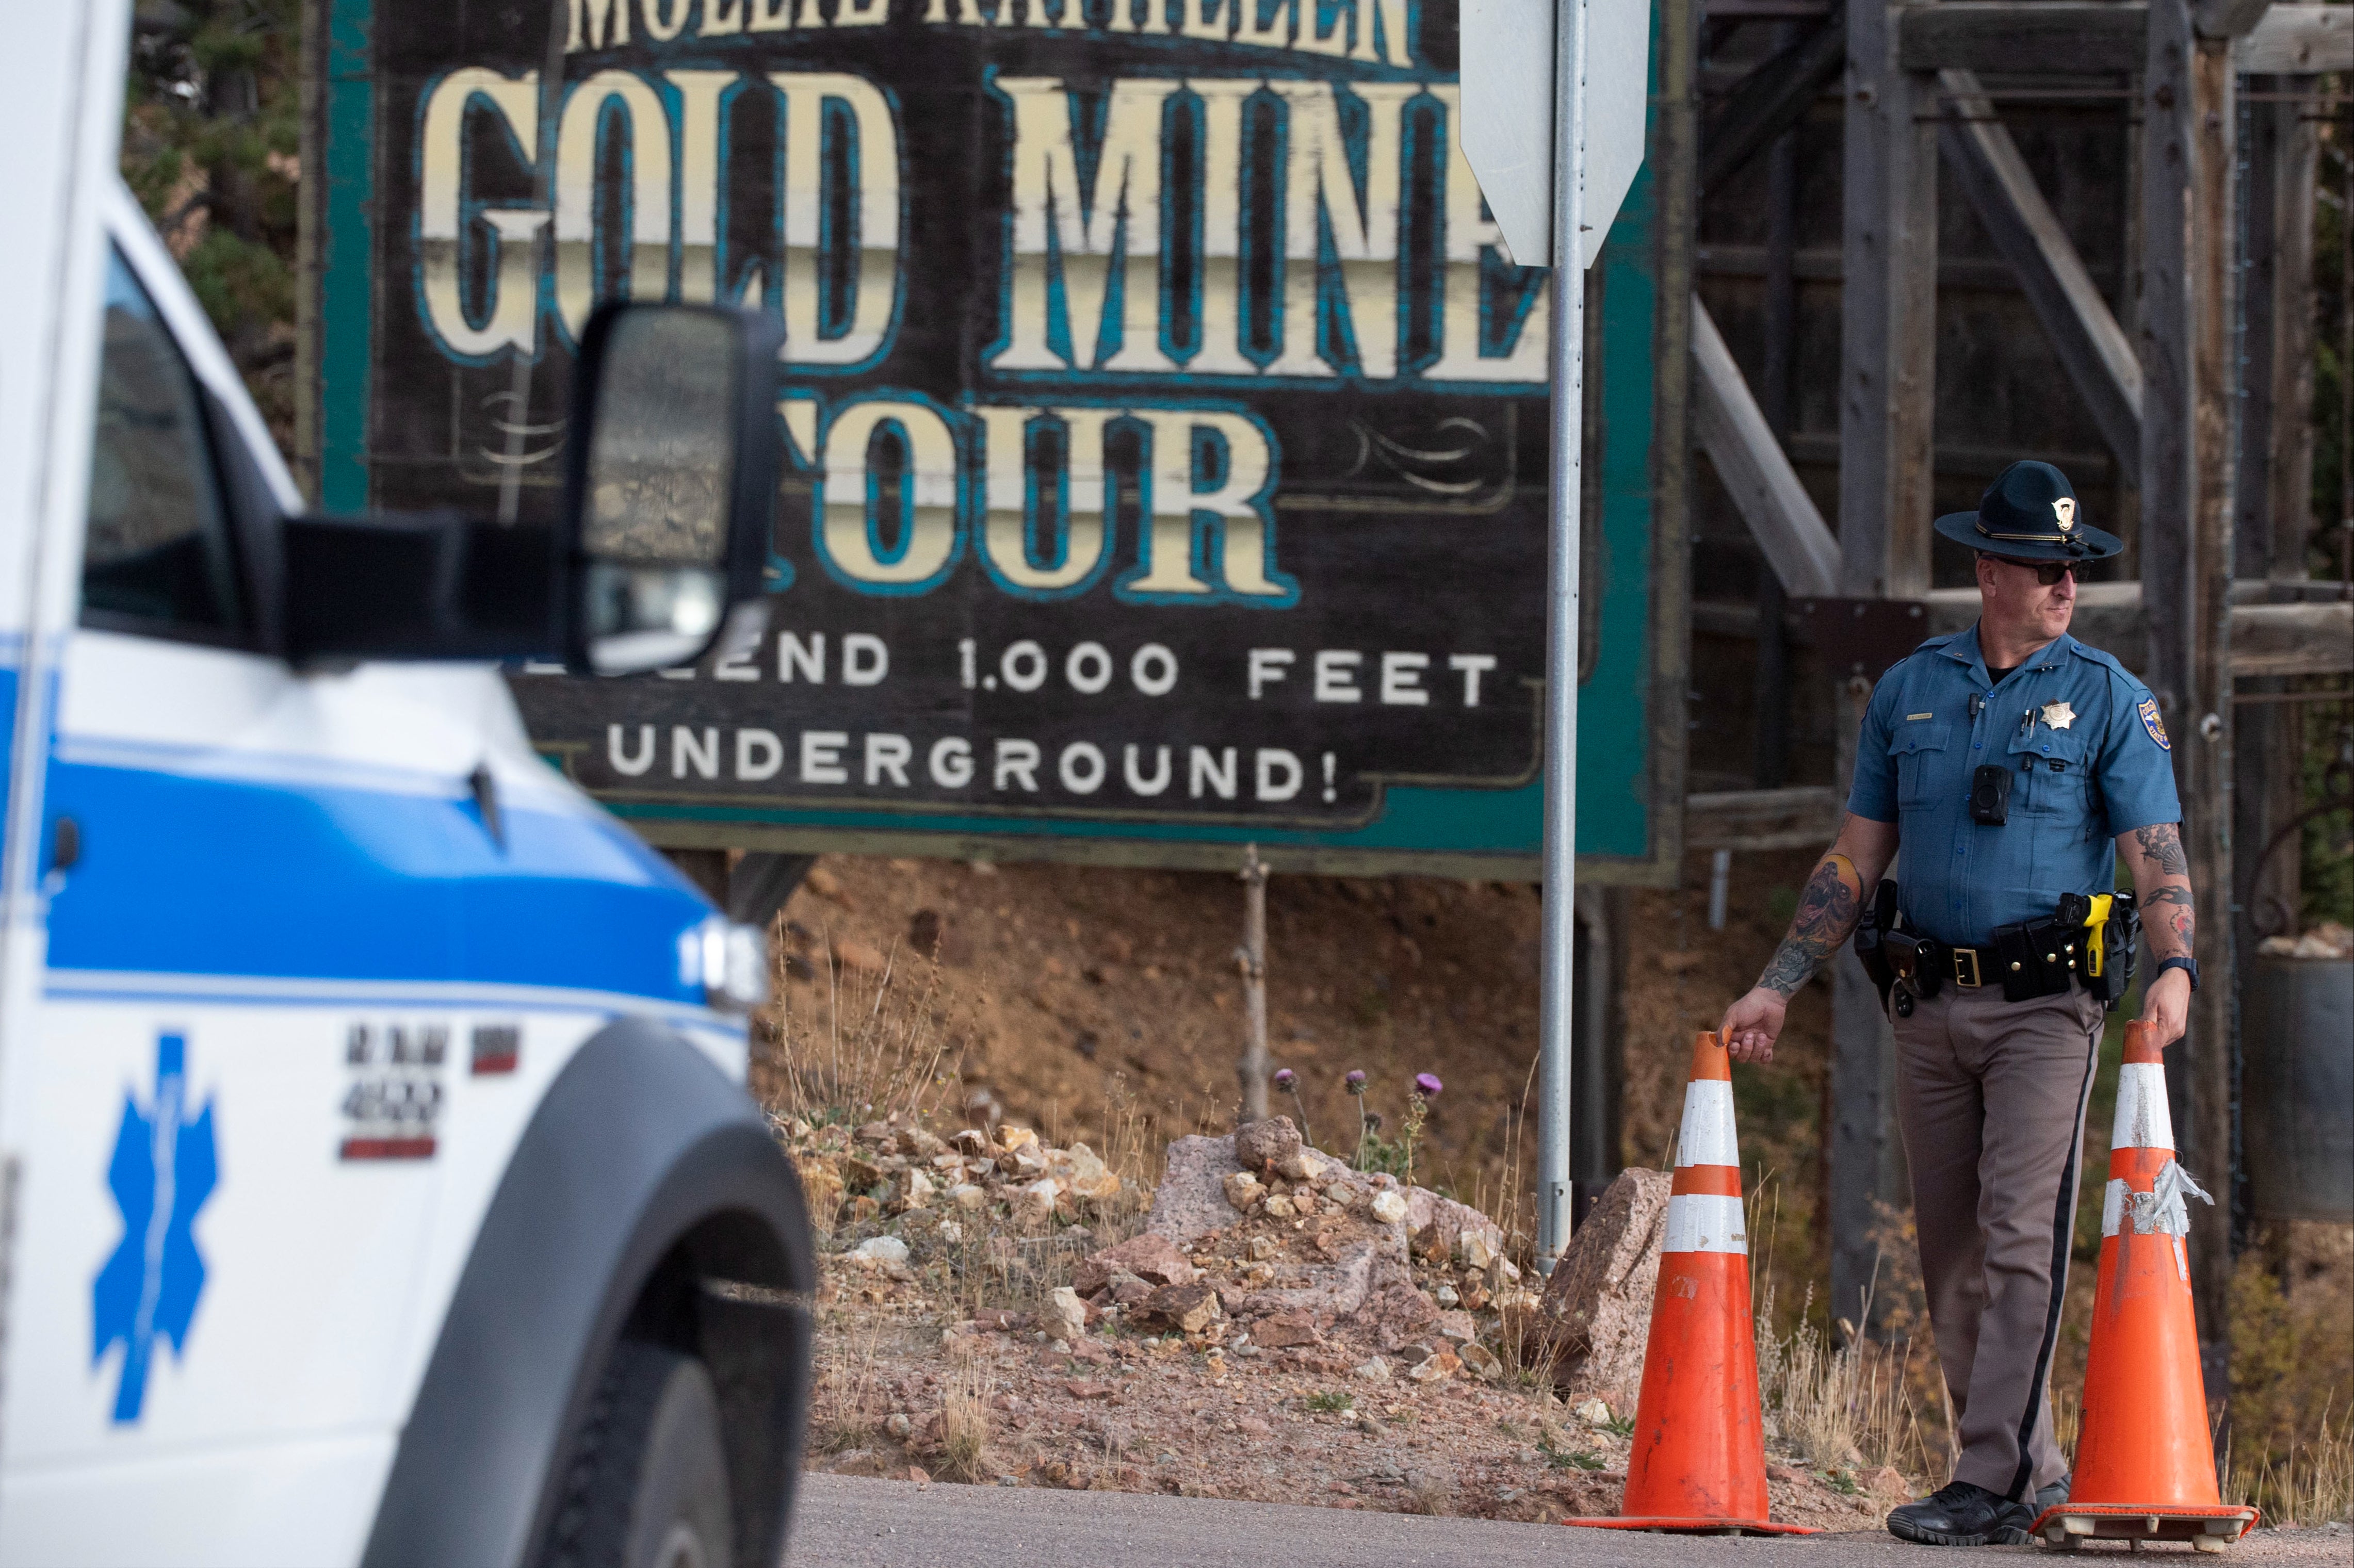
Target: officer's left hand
2165 1004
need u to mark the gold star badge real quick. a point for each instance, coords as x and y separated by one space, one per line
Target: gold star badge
2058 715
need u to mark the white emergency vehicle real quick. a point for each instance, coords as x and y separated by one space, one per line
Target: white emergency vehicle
378 1182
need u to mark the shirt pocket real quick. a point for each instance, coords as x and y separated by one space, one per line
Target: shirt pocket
1919 751
2051 768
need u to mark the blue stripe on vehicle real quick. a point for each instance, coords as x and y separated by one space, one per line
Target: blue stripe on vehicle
219 876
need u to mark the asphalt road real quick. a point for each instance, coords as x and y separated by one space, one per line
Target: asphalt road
845 1521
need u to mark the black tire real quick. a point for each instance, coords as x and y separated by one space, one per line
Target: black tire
647 1485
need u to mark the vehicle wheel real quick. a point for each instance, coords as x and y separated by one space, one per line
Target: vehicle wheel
648 1483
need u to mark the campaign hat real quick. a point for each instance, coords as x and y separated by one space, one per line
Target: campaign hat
2029 513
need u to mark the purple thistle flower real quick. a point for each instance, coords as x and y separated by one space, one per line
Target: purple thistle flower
1284 1079
1427 1086
1355 1081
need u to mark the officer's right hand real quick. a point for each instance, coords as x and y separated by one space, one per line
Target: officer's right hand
1752 1025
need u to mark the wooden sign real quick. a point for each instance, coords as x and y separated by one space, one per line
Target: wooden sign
1164 419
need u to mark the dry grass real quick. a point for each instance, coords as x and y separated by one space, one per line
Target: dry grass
964 1421
2313 1486
858 1047
1838 1403
846 1406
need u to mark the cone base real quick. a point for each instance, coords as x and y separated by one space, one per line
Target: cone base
2207 1527
1695 1526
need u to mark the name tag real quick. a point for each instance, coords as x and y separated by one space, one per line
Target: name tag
1910 717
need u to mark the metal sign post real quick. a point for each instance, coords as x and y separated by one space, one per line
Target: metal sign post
1561 630
1554 206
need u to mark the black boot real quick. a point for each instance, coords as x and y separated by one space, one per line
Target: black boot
1962 1514
2052 1496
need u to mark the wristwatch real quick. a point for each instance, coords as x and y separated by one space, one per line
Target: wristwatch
2188 966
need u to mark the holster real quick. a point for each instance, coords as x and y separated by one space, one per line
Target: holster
1872 928
2120 937
1913 961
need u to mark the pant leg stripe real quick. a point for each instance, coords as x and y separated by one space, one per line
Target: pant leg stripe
2064 1230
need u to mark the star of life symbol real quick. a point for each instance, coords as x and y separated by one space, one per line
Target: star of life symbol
2066 510
2058 715
164 1168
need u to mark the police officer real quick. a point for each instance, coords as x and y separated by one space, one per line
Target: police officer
2007 760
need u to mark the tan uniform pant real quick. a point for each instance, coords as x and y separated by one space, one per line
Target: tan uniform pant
1990 1096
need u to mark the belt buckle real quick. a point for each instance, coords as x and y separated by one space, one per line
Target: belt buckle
1975 975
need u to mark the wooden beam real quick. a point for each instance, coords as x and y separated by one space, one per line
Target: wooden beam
2079 39
2188 122
1888 314
2096 352
2226 18
2298 40
1803 817
2013 36
1769 100
1764 488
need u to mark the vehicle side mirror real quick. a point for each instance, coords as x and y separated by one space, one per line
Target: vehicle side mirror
671 473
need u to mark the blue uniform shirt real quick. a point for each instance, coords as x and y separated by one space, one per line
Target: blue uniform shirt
2089 758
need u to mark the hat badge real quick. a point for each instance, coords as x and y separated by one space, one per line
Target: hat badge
2065 509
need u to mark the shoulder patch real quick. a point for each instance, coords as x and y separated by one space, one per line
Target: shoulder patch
2153 723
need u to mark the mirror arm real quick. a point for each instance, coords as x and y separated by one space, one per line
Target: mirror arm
417 585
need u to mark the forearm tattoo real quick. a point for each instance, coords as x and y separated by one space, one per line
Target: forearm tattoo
1826 917
2172 924
2163 845
2166 913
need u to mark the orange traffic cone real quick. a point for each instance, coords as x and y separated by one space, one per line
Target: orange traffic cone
1699 1463
2145 1462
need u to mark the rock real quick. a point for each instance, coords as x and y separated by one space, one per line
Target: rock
1303 1202
1441 1364
1596 1312
1277 1206
1191 1201
1188 1308
1374 1370
1263 1145
1264 1247
1252 1426
898 1425
1457 1326
1439 1226
1595 1413
1887 1482
1149 1257
1302 1164
915 1191
821 882
920 1476
1284 1329
1243 1189
1035 1204
1337 1290
859 957
1089 1177
1389 1208
880 1251
1013 1140
1070 1313
1480 1361
1447 1296
1128 1291
965 1195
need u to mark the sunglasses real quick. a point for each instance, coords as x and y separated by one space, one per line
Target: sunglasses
2047 573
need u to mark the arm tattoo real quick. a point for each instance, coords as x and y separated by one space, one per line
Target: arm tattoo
1827 916
2172 924
2163 845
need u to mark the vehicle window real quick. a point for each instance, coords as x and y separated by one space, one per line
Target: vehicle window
157 557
